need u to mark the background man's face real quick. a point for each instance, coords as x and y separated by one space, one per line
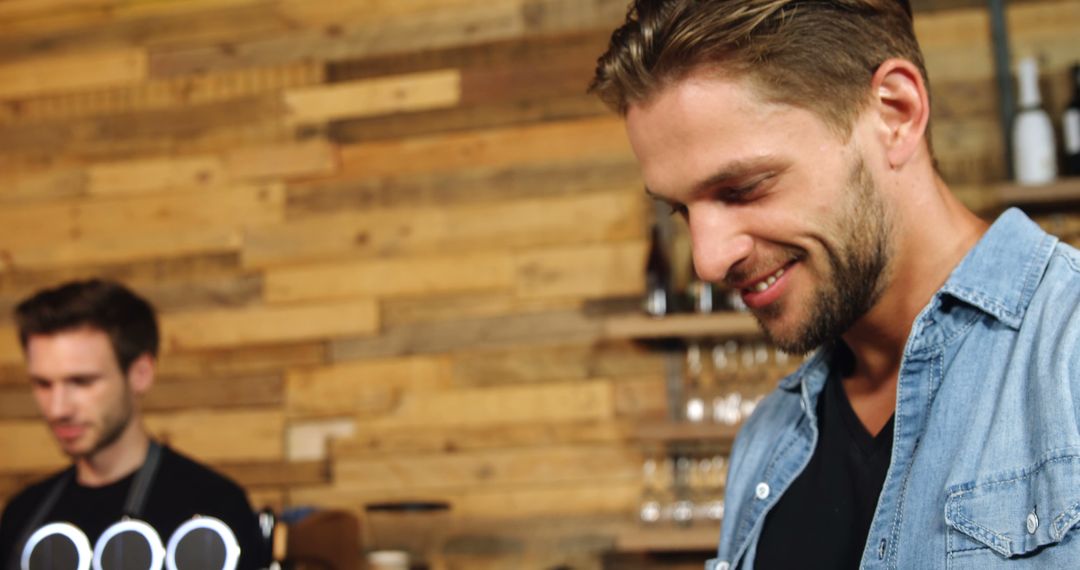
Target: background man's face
79 387
779 206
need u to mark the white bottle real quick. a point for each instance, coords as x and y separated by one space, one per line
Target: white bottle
1034 153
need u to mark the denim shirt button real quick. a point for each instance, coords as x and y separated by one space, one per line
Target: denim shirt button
1032 522
881 549
723 566
762 491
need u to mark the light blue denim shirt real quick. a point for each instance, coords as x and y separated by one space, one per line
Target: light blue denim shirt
985 468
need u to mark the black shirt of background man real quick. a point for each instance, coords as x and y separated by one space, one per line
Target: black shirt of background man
823 520
180 490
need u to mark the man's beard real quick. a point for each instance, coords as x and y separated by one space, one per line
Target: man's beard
112 427
858 266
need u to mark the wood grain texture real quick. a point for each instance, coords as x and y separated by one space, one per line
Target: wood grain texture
577 401
267 325
162 94
594 139
10 350
27 445
215 436
489 468
72 72
362 387
391 277
518 330
451 231
412 440
169 394
372 97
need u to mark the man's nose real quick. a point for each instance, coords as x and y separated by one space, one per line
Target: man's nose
58 404
719 241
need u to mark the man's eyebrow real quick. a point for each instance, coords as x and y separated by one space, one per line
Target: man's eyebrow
736 170
732 171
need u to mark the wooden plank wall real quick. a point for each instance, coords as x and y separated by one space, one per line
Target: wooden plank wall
373 230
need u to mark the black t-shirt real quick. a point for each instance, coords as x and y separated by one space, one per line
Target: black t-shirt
181 489
823 520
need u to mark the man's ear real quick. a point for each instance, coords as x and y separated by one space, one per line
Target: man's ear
903 106
141 374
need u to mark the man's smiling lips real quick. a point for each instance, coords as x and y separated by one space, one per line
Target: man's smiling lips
67 431
765 289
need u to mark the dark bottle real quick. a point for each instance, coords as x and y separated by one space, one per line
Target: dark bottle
657 277
1070 127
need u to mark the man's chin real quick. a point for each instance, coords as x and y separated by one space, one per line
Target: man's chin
789 337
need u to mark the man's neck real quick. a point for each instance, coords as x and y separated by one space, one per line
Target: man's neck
933 235
115 461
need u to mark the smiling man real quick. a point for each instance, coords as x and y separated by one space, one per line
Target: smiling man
935 425
91 349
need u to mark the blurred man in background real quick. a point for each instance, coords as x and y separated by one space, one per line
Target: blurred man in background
936 423
91 349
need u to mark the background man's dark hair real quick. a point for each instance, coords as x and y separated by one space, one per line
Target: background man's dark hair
125 317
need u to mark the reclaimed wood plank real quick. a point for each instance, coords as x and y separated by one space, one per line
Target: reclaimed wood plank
157 174
471 186
601 270
309 439
500 114
282 161
505 366
42 76
411 440
586 218
161 94
266 325
176 394
526 51
434 28
219 436
367 386
488 467
277 473
88 252
193 129
131 216
51 184
390 277
473 407
565 500
27 445
10 349
182 283
549 327
244 360
17 401
465 306
371 97
593 139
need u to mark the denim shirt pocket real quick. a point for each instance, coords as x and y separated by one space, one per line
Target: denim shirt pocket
1021 514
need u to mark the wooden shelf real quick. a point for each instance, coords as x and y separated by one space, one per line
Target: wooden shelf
673 432
691 325
1062 191
668 539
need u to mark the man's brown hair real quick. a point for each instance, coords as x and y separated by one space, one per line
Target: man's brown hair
816 54
107 306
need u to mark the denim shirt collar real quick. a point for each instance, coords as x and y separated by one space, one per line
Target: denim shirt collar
998 276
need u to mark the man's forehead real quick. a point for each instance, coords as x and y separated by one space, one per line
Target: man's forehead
81 344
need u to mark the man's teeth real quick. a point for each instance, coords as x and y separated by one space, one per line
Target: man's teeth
769 281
